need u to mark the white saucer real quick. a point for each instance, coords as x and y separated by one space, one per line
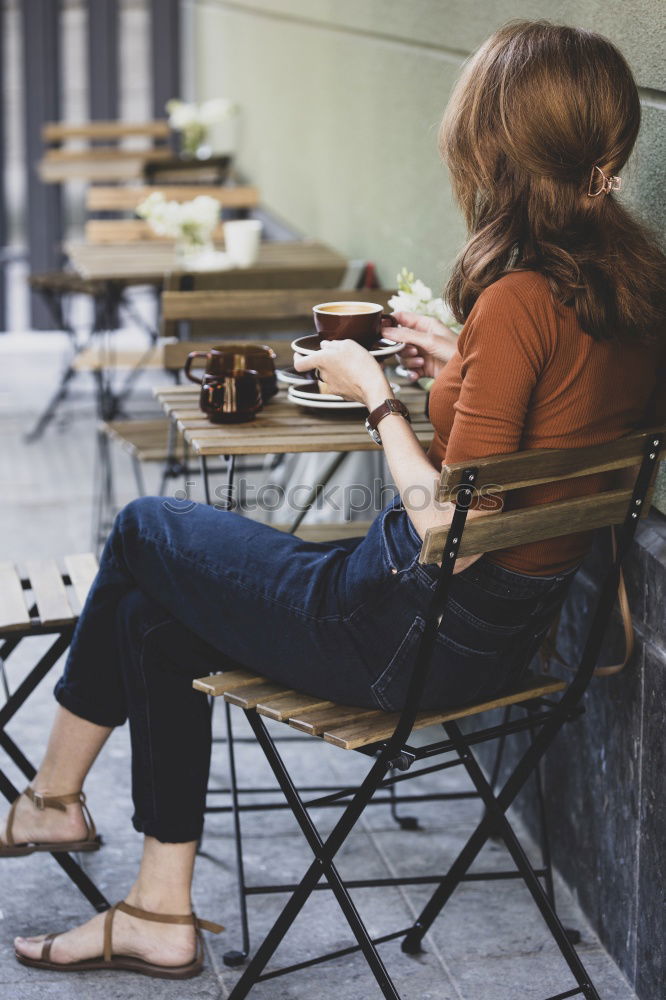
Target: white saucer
310 390
313 399
288 376
209 260
382 348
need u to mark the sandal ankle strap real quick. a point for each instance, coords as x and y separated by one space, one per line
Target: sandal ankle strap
159 918
60 802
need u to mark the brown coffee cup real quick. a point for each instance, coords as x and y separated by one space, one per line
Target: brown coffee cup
233 398
359 321
226 358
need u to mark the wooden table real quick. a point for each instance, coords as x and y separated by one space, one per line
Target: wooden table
287 264
280 428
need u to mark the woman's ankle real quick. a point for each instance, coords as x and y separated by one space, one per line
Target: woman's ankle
160 899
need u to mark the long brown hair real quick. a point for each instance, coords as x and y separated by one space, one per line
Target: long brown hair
536 109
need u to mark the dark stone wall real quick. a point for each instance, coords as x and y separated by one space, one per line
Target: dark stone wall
605 776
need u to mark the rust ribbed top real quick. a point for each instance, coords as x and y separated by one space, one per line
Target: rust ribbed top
525 375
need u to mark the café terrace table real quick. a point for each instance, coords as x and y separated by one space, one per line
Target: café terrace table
281 428
112 268
280 264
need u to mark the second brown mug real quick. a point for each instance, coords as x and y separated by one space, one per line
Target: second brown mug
233 398
225 358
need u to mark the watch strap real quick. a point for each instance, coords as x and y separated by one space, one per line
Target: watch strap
385 409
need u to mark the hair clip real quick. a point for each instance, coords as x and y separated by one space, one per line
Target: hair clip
607 184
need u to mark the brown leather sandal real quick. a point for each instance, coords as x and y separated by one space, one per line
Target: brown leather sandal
92 842
127 963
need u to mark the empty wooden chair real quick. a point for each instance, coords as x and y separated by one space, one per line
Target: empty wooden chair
547 703
45 601
99 152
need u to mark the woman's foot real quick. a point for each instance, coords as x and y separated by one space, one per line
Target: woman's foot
160 944
45 826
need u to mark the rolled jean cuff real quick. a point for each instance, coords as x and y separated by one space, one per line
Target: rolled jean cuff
173 835
77 706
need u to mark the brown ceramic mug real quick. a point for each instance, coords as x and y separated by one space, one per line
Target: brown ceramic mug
359 321
225 358
233 398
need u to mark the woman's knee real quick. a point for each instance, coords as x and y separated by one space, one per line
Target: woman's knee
142 516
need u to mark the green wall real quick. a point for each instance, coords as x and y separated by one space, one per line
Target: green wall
341 100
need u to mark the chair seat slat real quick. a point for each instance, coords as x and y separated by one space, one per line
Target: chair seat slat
283 706
82 569
217 684
316 722
49 592
250 695
13 608
382 724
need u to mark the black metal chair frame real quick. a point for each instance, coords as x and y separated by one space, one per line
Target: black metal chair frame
62 635
544 719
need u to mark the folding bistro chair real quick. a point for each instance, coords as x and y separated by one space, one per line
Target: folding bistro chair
49 612
384 737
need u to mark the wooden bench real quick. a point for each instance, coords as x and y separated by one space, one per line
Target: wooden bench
45 600
628 466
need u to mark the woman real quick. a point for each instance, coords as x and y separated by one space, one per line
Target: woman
563 297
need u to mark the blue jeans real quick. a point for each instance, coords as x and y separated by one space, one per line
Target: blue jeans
185 590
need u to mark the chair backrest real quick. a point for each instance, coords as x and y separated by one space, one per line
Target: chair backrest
126 199
502 473
104 131
107 231
256 309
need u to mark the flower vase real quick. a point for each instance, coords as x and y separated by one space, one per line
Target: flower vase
189 251
194 143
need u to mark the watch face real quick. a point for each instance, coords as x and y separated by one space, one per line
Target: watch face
372 431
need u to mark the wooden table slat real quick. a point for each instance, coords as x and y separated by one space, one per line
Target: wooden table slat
281 427
150 261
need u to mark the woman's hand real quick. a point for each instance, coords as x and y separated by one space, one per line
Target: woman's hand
348 370
431 343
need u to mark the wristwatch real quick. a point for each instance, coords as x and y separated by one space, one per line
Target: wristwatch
381 411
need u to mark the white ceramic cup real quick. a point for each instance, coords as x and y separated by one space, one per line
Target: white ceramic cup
241 240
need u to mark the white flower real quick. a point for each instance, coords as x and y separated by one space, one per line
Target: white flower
216 110
194 219
421 291
183 115
415 296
